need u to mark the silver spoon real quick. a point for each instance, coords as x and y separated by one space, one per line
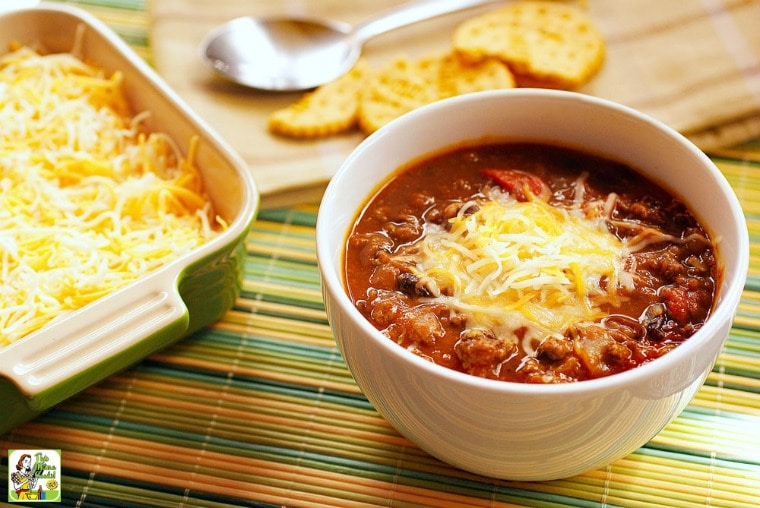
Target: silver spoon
282 54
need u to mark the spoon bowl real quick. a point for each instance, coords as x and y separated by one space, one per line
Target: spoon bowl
281 53
293 54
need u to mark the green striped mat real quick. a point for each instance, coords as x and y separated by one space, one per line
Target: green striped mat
260 410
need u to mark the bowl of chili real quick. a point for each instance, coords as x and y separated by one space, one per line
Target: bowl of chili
530 284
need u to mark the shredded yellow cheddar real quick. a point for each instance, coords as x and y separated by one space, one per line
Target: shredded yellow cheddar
89 201
527 265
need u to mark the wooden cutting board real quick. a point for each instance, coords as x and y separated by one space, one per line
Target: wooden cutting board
694 64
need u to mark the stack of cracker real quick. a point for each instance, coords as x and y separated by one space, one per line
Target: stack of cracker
526 43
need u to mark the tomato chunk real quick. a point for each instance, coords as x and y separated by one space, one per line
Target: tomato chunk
521 185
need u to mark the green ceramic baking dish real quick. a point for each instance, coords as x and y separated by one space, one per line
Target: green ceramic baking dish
61 359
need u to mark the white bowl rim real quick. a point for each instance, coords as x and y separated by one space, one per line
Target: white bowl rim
724 311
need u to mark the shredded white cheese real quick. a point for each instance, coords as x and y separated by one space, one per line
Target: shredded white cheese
528 266
88 201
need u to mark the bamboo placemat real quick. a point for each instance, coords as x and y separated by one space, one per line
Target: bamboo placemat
259 409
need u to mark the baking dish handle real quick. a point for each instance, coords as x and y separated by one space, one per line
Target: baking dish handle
91 344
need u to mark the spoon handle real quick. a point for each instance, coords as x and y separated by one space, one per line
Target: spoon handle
409 13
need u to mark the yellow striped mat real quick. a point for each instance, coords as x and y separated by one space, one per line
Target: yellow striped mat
259 409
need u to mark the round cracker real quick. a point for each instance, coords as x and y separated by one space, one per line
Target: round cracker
397 88
546 42
457 77
404 85
328 110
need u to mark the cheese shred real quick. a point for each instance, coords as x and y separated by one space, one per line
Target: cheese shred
530 266
89 201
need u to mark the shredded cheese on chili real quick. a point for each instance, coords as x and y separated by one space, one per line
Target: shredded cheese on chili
530 266
89 201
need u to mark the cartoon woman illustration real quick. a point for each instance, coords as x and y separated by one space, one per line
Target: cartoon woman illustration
23 479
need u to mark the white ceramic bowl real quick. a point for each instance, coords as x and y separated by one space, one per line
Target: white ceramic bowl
512 430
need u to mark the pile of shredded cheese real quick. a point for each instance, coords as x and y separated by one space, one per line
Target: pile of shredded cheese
89 201
529 265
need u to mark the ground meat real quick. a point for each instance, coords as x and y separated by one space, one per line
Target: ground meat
599 353
624 328
477 346
384 276
554 348
417 325
536 371
383 307
569 369
421 200
649 210
369 246
404 231
457 319
658 265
